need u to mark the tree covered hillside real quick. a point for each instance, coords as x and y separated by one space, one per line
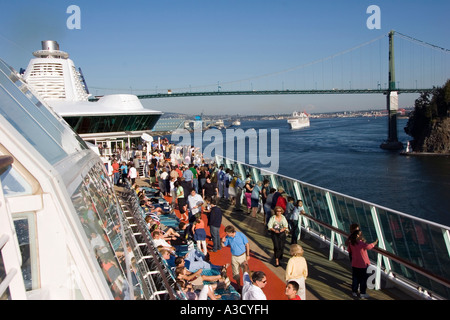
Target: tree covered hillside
429 123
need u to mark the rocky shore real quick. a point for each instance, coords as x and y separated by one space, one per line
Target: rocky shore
429 123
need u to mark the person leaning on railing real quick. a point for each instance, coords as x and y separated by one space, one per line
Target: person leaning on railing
360 261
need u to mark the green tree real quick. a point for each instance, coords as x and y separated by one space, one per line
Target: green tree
428 108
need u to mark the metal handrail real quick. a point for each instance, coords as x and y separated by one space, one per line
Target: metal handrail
143 232
387 254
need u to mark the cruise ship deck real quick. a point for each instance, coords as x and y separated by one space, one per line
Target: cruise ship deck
327 280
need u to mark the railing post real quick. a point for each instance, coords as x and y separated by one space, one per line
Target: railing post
334 223
378 272
381 244
218 160
255 175
446 235
273 181
299 195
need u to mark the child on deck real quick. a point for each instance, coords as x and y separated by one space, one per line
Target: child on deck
198 228
291 291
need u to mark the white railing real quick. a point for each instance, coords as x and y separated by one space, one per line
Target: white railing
412 251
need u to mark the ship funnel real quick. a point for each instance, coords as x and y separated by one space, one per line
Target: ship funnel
50 45
50 49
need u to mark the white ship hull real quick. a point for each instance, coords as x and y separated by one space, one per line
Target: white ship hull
64 233
299 120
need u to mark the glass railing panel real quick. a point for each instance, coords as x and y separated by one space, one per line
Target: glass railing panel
256 176
343 215
288 186
419 243
317 207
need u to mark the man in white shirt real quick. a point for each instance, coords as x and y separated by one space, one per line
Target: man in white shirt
132 174
195 202
252 289
158 240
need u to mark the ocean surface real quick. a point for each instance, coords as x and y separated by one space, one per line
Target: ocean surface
344 155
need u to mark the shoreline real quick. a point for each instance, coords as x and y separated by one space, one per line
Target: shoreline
420 154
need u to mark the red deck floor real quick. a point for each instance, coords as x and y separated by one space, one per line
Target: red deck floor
274 289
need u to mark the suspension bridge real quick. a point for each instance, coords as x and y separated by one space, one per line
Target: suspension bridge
368 68
273 92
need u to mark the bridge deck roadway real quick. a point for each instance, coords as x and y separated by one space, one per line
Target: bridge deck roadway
276 92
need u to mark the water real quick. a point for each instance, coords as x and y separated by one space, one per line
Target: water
344 155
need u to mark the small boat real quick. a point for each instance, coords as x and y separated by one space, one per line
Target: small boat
236 123
299 120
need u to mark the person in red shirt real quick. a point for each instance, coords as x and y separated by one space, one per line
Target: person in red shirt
116 174
198 229
360 261
282 201
291 291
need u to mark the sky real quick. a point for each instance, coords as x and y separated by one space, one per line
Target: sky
145 47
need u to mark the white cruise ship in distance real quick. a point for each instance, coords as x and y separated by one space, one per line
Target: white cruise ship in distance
236 123
298 120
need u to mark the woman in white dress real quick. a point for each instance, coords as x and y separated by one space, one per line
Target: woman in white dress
297 269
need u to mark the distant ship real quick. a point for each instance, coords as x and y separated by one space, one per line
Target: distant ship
298 120
236 123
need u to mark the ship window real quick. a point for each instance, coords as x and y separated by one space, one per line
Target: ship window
100 124
100 220
48 134
23 225
13 183
29 127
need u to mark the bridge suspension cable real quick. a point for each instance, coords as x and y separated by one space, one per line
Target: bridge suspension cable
305 64
421 42
345 70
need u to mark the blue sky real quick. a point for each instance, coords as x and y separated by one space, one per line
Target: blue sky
151 46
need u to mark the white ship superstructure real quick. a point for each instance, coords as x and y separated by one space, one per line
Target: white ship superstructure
298 120
53 77
63 233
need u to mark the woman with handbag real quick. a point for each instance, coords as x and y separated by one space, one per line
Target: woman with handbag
278 226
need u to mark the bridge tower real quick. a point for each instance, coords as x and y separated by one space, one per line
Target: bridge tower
392 142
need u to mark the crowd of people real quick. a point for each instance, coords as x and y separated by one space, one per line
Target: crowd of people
195 188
